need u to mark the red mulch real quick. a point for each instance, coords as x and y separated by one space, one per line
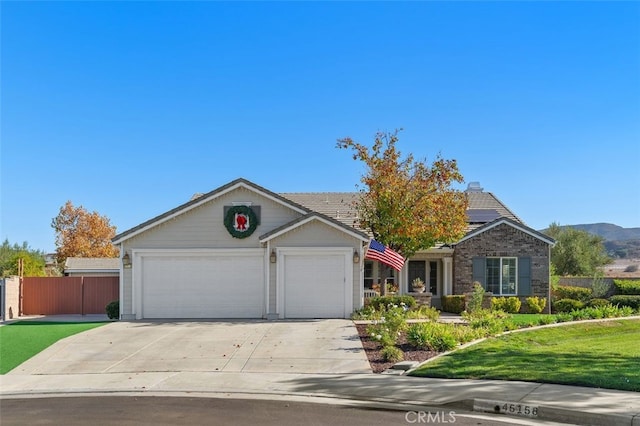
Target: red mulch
373 348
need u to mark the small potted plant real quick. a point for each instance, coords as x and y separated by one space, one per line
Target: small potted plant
417 285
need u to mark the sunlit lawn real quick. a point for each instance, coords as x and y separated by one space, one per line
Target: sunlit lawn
595 354
22 340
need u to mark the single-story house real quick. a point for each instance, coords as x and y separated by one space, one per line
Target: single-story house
242 251
92 267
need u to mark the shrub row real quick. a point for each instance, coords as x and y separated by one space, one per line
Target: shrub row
632 301
510 305
627 287
571 292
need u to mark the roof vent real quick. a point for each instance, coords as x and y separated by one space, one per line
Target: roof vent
474 187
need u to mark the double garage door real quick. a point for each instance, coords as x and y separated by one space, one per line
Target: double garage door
233 283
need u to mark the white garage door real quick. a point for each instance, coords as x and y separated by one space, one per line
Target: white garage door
196 285
316 285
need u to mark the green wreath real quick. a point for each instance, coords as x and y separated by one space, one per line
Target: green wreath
230 216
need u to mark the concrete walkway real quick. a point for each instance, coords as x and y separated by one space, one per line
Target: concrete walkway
566 404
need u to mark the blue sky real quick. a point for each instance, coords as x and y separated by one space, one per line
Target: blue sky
128 108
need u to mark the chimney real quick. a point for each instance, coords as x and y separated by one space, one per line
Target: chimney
474 187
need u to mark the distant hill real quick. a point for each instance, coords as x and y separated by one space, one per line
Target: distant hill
620 243
610 232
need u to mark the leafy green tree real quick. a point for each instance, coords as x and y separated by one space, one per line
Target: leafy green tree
32 260
404 203
577 252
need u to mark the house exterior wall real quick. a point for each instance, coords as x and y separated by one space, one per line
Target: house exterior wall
315 234
202 227
503 241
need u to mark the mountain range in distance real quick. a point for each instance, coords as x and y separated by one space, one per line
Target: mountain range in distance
620 243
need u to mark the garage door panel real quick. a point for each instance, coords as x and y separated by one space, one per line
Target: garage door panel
207 286
314 286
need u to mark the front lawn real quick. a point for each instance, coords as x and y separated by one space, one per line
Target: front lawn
596 354
23 339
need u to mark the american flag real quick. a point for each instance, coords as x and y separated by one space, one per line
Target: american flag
381 253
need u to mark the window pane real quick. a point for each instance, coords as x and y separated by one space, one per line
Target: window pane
416 270
368 274
433 278
493 275
508 276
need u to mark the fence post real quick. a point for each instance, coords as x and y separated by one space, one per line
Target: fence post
82 296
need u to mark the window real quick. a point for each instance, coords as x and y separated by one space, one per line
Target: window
368 274
433 277
501 275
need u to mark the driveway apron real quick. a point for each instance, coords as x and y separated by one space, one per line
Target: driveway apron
315 346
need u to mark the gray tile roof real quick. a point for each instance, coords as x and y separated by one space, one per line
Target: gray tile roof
336 205
340 205
92 264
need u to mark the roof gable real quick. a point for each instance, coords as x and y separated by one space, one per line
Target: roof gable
313 216
512 223
206 198
92 264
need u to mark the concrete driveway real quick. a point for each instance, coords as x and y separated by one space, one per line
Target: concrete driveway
316 347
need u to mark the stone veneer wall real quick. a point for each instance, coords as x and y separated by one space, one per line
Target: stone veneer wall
502 241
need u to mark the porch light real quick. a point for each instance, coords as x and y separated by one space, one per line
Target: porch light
126 260
356 256
272 256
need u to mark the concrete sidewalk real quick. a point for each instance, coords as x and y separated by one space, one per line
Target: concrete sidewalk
566 404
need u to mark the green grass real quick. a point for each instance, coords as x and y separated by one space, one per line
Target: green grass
600 354
23 339
527 320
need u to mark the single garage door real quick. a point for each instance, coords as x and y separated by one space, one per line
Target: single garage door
196 285
316 285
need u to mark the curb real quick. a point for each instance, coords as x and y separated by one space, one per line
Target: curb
545 412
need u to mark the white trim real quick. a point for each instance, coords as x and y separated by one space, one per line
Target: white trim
204 200
312 218
284 252
137 256
498 222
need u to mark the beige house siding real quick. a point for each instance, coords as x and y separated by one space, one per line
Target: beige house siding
203 226
315 234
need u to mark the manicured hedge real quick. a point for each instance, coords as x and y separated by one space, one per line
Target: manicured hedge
510 305
453 303
632 301
571 292
628 287
567 305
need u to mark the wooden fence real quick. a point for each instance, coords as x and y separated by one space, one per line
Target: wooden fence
68 295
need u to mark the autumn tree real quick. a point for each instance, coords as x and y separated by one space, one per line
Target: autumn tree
404 203
33 264
80 233
576 252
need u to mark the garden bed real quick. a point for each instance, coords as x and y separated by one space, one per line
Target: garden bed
373 350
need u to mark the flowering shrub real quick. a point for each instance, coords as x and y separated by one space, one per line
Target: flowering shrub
391 324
